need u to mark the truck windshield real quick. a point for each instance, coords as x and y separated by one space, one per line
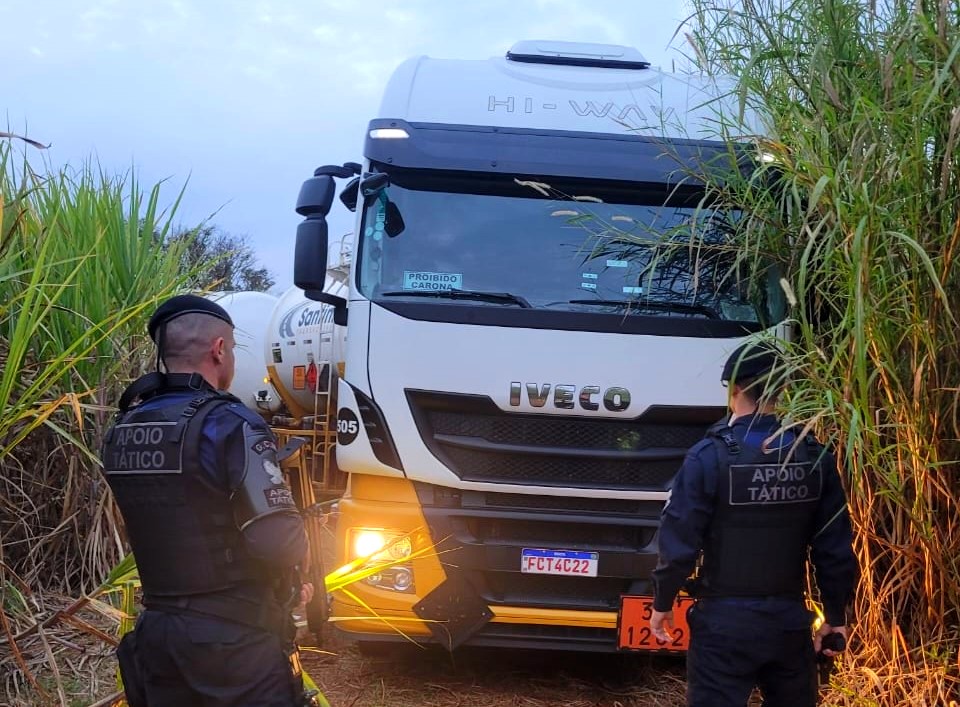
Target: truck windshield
558 244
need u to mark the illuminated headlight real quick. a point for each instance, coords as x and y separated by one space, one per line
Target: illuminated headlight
385 552
380 545
367 543
388 133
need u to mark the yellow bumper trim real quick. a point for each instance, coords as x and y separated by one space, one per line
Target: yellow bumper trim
553 617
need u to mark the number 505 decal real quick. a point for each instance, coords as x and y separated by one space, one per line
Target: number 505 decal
348 426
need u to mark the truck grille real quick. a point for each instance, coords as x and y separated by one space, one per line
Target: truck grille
565 432
479 442
482 536
557 471
533 532
562 503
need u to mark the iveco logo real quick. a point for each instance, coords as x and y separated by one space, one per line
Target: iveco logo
566 397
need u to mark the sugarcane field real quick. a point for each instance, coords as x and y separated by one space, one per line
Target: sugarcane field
529 354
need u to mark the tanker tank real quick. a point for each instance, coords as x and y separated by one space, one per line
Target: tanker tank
304 349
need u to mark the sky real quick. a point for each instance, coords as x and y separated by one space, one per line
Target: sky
241 99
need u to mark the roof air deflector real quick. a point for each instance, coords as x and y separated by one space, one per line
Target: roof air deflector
607 56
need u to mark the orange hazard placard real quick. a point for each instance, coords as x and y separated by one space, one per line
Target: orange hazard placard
299 377
633 625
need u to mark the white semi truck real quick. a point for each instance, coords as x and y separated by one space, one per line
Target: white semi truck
538 308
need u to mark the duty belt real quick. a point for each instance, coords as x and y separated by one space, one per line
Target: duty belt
266 615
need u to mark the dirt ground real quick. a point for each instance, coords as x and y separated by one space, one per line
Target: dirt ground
405 676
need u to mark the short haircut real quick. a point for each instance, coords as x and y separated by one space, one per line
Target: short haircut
187 338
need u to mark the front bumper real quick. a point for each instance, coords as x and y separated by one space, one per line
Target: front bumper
510 627
478 542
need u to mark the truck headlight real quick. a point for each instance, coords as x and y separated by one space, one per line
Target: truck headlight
380 545
366 543
388 553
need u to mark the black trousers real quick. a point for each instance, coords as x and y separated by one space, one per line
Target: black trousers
733 650
177 660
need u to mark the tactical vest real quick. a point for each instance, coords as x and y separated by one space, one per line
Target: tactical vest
763 520
180 526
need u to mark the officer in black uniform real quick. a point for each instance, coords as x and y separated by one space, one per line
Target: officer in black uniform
212 524
748 506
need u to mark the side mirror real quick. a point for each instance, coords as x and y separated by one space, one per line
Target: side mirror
339 304
316 196
310 254
350 194
373 184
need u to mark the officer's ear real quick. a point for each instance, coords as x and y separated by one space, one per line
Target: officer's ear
219 349
737 391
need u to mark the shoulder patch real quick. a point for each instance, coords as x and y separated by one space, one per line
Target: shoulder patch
273 471
263 445
279 497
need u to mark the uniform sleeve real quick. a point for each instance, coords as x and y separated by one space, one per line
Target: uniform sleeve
683 525
278 539
831 549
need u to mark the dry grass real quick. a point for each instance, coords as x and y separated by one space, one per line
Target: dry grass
405 677
82 264
85 665
59 527
861 210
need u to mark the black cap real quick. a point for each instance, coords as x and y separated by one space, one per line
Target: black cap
184 304
751 360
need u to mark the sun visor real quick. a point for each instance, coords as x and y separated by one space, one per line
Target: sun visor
550 153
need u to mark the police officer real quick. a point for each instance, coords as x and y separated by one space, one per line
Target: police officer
748 505
212 524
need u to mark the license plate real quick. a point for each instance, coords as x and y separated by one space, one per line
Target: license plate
633 625
573 563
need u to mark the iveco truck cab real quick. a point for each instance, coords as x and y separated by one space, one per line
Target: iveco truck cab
539 306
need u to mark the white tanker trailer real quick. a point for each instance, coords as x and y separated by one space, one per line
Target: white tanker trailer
304 349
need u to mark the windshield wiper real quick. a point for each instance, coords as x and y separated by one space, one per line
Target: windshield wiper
499 297
650 304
